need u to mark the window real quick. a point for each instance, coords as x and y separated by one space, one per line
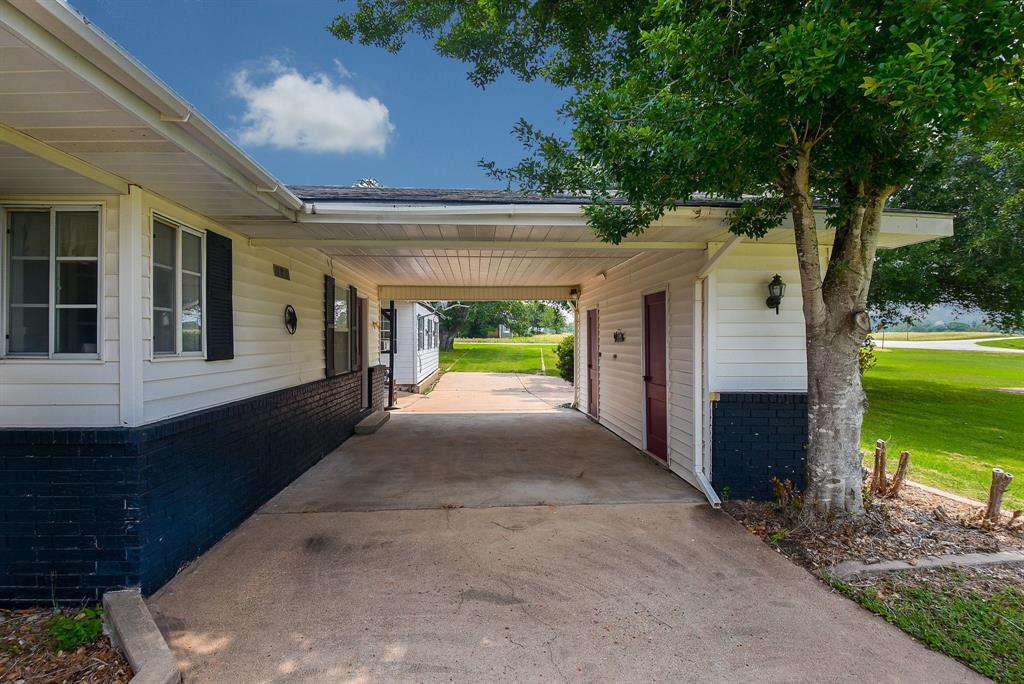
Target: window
52 284
178 292
421 333
342 327
387 341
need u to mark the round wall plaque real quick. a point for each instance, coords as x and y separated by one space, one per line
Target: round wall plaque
291 319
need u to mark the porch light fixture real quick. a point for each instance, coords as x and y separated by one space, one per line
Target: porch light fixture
776 291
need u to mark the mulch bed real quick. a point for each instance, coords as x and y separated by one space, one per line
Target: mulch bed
915 525
28 655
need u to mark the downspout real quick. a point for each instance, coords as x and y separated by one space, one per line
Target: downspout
701 406
702 393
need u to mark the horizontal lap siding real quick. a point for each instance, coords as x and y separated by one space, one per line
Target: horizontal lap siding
755 349
406 343
266 358
619 299
64 392
427 359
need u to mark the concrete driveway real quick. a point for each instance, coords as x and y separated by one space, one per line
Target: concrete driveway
366 570
946 345
490 392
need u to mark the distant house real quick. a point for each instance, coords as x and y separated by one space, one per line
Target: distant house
417 341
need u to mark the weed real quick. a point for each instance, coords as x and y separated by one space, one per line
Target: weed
70 632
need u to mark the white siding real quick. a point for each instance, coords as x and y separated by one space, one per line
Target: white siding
619 300
752 348
413 365
267 358
69 393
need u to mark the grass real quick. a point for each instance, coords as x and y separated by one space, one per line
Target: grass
984 630
1016 343
546 338
942 407
488 357
934 336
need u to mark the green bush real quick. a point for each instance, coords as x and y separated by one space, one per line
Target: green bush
566 351
71 632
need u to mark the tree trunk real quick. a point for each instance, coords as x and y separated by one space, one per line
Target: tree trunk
448 340
836 325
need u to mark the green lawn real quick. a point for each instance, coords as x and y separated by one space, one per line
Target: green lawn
1016 343
546 338
500 358
981 627
942 407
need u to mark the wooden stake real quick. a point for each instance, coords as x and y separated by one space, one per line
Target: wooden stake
878 481
1000 481
900 476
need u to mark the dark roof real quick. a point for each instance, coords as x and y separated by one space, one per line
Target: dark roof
337 193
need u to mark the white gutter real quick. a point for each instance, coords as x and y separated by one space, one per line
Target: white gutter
76 32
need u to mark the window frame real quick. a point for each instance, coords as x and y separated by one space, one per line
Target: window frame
53 208
179 228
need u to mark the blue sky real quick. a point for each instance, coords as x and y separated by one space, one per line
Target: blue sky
315 110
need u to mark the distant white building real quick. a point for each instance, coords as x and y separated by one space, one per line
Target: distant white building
417 341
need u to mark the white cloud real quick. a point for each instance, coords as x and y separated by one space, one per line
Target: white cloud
287 110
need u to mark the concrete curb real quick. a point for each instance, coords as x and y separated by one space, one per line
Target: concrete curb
134 632
852 568
944 494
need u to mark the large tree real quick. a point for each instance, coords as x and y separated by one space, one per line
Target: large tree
792 103
982 266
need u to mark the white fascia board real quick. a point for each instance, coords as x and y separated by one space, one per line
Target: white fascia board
94 57
510 214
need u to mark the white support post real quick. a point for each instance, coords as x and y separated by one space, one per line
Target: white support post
129 305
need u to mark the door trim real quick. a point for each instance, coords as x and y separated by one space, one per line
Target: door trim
593 387
668 373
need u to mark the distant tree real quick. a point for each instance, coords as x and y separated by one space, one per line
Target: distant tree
834 101
982 265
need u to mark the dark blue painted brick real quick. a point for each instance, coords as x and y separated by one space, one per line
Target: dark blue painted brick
757 436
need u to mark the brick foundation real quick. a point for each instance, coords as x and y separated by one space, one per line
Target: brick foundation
84 511
755 437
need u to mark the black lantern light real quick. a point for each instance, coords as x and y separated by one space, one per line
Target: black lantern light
776 291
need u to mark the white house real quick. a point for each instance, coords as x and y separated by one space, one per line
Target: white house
416 346
183 334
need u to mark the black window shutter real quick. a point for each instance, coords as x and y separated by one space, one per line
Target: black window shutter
353 328
329 325
220 325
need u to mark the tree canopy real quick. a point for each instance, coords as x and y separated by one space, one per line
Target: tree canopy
982 266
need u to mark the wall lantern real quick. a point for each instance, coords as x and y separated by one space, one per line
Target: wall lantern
776 291
619 336
291 319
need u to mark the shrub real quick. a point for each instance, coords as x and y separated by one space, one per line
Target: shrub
566 351
867 358
71 632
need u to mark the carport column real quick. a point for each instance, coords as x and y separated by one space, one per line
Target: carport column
391 355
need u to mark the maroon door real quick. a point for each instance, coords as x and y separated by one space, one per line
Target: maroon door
592 362
655 380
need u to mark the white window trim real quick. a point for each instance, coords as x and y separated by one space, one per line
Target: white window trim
5 280
180 228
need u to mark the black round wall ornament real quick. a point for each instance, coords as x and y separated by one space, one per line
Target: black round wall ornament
291 319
